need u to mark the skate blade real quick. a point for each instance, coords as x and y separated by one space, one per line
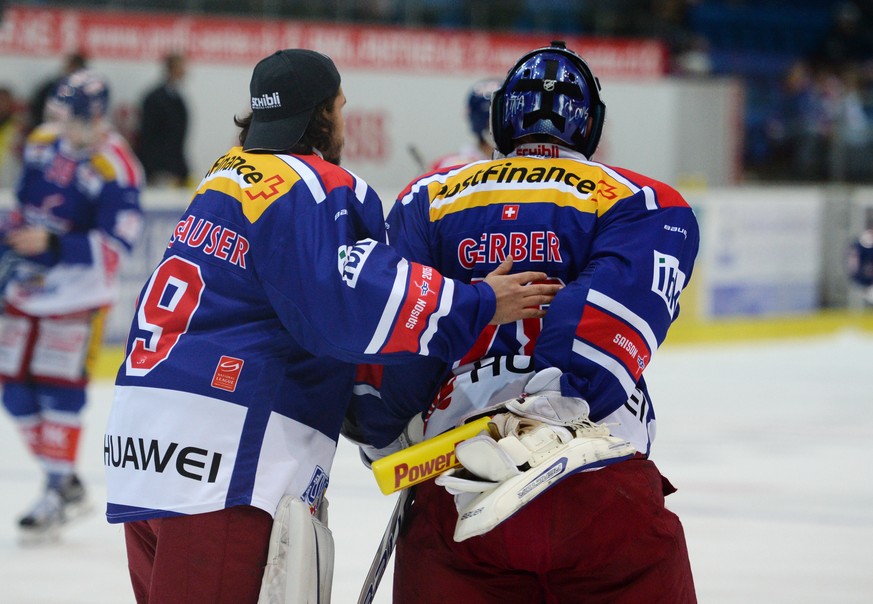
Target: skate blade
77 510
36 537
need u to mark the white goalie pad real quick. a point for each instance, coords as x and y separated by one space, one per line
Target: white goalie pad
300 560
501 476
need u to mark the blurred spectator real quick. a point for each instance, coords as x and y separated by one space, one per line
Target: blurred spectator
164 127
796 132
851 153
801 127
850 39
10 138
72 62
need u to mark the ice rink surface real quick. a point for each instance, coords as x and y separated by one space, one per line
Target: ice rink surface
767 443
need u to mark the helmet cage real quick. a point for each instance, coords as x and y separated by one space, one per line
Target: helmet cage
550 91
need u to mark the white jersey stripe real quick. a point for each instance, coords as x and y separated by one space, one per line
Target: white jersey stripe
310 179
607 362
442 310
626 314
651 204
392 306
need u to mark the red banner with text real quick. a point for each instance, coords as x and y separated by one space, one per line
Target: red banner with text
147 36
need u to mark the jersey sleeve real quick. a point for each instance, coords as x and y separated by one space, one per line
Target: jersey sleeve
385 398
603 328
342 291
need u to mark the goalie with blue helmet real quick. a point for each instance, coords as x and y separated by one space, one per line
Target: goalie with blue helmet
559 499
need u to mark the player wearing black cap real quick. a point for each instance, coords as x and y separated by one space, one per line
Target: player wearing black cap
241 357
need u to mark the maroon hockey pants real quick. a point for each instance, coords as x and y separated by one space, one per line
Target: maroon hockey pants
600 537
217 557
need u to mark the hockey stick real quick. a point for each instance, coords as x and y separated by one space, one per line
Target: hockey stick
386 548
417 157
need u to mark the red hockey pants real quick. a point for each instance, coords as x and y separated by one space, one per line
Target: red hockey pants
217 557
601 537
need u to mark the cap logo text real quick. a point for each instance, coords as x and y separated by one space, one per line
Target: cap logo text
266 101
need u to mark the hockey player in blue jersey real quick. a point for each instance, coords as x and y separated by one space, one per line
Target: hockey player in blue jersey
478 113
78 215
559 501
859 264
241 357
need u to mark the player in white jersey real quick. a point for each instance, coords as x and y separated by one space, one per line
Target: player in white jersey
78 215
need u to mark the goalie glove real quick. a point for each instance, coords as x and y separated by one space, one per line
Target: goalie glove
542 400
520 457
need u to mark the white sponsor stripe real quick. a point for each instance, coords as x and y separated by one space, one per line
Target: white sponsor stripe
607 362
310 179
398 294
627 315
445 305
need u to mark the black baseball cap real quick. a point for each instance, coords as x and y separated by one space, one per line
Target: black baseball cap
285 88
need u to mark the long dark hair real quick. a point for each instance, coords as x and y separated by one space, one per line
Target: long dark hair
318 135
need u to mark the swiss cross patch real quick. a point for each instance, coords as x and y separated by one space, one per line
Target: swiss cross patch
227 373
510 212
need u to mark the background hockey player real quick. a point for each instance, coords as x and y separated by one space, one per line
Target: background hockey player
623 245
478 109
78 215
241 357
859 264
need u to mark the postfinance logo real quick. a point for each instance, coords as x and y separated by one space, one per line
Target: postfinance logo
255 180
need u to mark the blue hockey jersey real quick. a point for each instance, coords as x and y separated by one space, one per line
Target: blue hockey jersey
89 199
622 244
241 358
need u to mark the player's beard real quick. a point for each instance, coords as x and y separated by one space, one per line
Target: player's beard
334 150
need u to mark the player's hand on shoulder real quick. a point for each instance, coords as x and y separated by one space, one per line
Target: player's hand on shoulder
518 295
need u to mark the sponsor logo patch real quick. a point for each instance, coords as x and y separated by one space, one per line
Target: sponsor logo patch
668 280
266 101
351 259
227 373
315 490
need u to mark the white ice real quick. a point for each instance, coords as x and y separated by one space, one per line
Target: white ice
767 443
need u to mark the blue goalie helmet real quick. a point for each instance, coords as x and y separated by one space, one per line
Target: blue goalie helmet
81 95
479 106
550 91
